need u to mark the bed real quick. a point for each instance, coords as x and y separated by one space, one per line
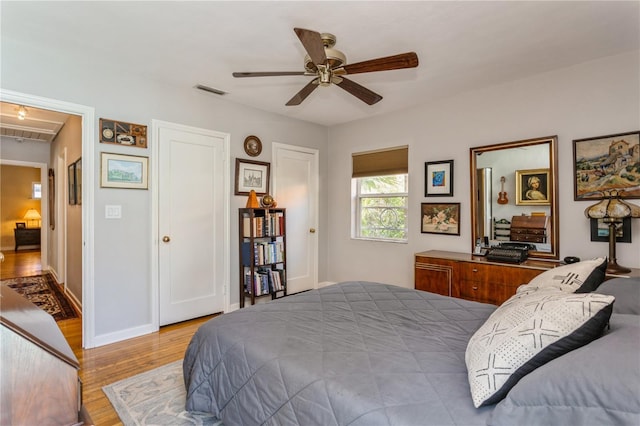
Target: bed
361 353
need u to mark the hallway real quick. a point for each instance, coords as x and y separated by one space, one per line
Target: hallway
23 263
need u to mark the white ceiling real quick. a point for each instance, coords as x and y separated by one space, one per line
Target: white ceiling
38 125
461 46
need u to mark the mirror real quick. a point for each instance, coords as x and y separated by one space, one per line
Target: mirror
514 189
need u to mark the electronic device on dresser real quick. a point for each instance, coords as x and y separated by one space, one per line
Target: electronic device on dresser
510 252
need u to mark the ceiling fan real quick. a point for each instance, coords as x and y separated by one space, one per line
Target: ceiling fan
328 66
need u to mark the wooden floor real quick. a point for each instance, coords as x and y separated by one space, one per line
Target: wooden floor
107 364
22 263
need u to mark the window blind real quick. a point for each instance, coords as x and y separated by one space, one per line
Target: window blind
383 162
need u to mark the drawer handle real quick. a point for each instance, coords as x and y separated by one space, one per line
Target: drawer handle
475 288
475 270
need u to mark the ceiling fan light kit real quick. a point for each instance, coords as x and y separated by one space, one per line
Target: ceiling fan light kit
329 66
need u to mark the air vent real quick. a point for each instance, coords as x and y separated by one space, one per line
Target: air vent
210 89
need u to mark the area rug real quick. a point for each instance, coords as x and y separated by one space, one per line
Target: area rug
44 292
156 397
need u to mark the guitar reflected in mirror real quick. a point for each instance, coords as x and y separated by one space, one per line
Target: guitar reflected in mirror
502 196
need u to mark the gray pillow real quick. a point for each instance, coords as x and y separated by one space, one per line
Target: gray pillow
527 331
580 277
626 292
597 384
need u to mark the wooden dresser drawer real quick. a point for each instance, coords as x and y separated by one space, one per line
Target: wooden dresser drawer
472 277
478 291
434 275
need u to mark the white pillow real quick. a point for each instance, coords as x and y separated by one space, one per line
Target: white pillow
527 331
580 277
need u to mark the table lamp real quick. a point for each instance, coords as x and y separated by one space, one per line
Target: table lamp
31 215
612 210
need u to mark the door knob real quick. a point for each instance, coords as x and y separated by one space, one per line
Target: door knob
166 239
312 230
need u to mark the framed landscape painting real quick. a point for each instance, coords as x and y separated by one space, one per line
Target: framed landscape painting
606 163
124 171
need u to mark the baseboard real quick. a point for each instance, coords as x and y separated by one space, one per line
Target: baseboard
121 335
326 284
77 304
233 307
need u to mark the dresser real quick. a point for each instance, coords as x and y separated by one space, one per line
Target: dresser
39 371
26 237
471 277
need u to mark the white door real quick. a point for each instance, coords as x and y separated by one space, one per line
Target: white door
193 235
296 189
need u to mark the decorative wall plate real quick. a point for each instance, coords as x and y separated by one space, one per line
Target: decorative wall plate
252 146
107 133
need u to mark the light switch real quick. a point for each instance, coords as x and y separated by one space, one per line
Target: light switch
113 212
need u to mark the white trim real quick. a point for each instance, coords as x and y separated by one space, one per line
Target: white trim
73 299
129 333
88 200
156 126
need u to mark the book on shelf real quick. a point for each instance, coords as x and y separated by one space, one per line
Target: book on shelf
271 225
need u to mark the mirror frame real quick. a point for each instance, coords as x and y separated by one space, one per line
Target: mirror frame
555 204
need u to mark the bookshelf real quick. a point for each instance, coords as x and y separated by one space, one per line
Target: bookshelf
262 253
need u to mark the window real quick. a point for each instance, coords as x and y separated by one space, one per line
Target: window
36 190
380 188
382 207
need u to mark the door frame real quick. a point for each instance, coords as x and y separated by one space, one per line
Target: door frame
87 115
276 147
44 203
156 126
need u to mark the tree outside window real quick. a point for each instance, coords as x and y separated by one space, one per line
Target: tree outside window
381 211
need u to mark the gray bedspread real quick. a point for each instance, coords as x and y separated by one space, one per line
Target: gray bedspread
354 353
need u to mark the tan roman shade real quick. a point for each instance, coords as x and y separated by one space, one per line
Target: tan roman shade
391 161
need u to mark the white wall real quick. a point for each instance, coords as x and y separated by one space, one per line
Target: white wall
597 98
123 247
591 99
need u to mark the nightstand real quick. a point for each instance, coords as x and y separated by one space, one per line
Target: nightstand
26 237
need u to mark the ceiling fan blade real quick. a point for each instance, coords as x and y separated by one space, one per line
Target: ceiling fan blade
267 73
312 42
360 92
395 62
302 94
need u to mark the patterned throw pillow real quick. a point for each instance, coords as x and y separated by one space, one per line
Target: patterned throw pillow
580 277
527 331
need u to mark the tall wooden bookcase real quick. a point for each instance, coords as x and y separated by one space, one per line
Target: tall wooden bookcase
263 253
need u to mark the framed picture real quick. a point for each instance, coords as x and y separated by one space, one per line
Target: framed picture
52 199
600 230
72 183
607 163
251 175
440 218
438 178
21 225
78 170
533 187
124 171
